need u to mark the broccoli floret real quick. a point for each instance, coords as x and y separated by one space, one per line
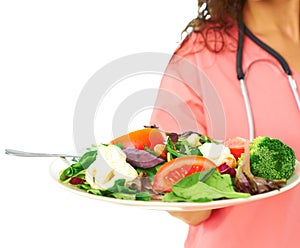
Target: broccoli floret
270 158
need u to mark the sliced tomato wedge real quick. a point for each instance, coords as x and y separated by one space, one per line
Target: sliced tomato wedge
178 168
139 139
236 146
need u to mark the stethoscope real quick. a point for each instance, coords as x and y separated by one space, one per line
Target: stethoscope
242 31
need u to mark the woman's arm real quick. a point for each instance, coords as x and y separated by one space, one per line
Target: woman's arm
179 108
192 217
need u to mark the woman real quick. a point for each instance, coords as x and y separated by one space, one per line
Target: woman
268 108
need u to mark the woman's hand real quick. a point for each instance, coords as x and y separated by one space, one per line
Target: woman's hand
192 217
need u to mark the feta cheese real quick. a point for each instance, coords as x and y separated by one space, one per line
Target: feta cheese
218 153
109 166
193 140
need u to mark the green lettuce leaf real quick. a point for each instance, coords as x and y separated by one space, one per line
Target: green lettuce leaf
203 187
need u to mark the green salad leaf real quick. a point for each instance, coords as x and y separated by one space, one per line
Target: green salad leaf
88 158
203 187
119 191
84 162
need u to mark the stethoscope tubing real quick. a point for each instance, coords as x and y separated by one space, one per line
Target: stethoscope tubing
248 109
242 31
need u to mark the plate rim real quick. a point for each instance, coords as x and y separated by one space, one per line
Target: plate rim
59 164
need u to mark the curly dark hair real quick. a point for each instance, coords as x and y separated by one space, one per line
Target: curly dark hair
215 18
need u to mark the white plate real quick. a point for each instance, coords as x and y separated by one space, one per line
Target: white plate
58 165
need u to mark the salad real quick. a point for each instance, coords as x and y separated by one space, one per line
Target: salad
150 164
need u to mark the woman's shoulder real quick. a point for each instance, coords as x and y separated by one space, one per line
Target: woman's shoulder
209 52
207 45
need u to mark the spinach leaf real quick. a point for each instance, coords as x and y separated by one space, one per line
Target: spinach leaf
119 190
84 162
194 178
171 197
71 171
87 159
203 187
143 196
221 182
123 196
203 192
118 187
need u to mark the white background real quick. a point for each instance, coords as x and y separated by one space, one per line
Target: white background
48 51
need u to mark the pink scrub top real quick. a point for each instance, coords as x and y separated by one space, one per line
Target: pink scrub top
200 91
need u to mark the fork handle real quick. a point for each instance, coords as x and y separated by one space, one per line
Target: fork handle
36 154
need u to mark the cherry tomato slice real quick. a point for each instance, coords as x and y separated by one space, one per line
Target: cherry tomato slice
178 168
141 138
236 146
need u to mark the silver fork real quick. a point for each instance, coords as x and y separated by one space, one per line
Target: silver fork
36 154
